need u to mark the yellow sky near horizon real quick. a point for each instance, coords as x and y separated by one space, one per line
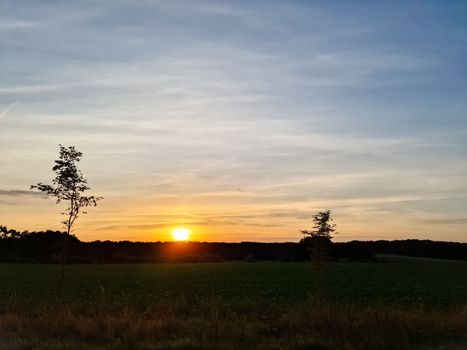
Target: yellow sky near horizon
117 219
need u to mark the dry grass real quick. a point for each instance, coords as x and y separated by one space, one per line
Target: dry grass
216 325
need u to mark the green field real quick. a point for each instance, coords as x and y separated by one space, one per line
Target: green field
225 305
431 285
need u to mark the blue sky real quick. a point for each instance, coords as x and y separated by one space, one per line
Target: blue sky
239 119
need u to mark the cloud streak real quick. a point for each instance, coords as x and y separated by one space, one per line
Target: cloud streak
446 221
21 193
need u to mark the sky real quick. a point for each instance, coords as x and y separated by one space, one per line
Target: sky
238 119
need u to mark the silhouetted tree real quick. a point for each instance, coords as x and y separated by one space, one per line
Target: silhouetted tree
322 225
69 185
318 240
5 232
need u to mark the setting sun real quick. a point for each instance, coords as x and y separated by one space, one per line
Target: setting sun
181 234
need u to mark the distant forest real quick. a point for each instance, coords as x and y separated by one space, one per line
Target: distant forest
45 247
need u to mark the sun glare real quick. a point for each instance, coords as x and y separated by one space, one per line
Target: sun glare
181 234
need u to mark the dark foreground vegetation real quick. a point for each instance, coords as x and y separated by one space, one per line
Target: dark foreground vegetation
416 305
45 247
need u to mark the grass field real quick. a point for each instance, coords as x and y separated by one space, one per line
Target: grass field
402 305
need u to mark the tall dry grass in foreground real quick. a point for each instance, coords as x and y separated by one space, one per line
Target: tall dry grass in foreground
213 324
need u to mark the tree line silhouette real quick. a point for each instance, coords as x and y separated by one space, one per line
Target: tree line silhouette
46 247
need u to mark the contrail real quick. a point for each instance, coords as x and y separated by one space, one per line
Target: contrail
8 109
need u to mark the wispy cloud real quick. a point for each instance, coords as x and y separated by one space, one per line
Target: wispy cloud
16 24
